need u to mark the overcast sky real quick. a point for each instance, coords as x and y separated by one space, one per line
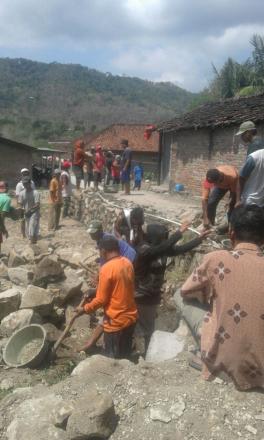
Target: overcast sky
160 40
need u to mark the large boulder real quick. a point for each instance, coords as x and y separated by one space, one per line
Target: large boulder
9 302
68 288
38 299
20 275
53 333
3 270
48 270
93 417
17 320
34 419
15 259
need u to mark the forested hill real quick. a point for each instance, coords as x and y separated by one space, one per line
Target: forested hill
40 102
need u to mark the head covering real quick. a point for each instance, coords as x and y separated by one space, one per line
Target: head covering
56 172
124 142
3 187
24 170
26 179
79 143
94 227
66 164
246 126
98 147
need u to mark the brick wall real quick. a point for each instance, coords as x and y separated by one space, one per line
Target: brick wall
12 159
193 152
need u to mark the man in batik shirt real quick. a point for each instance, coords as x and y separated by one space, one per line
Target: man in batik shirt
232 286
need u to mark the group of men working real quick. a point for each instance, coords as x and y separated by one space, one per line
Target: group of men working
133 262
93 165
245 187
28 203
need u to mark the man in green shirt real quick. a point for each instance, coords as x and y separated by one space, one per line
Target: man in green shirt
248 134
5 205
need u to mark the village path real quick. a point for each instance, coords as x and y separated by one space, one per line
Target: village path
164 204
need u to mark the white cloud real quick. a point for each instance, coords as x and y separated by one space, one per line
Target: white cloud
172 40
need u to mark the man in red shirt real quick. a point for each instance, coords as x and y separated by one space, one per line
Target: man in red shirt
98 166
115 294
78 161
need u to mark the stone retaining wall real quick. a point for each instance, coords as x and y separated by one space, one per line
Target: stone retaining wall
89 206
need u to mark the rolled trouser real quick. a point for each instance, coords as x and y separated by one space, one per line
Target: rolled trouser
215 196
193 312
118 345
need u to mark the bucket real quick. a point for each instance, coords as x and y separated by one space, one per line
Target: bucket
179 187
27 347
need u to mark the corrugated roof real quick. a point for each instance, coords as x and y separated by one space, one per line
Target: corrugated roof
15 143
220 113
110 138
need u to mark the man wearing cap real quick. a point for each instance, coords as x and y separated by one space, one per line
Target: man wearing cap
29 201
115 294
126 165
5 206
24 173
20 187
55 201
248 133
218 182
250 189
96 232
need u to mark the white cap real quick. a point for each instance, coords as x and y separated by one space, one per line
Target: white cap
24 170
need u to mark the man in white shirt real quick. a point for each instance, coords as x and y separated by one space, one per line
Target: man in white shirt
24 173
251 183
29 201
19 188
66 185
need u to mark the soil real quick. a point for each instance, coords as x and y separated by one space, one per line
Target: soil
166 401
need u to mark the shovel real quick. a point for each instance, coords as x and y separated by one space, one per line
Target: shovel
67 329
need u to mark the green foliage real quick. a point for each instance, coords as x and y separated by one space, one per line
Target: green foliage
241 79
40 102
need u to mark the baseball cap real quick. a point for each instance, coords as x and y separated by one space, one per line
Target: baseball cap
94 227
56 171
245 126
2 187
24 170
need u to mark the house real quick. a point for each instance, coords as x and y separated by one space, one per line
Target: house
205 138
144 151
14 156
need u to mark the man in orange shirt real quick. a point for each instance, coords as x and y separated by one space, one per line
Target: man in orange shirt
115 293
55 201
218 182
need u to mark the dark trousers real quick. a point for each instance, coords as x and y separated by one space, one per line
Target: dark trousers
118 345
66 206
215 196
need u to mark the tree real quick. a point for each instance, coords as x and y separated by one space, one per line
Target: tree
258 60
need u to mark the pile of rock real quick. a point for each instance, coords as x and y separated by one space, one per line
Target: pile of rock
36 286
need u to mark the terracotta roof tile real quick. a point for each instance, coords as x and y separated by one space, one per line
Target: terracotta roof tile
110 138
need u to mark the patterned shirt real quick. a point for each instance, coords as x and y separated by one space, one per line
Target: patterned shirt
232 332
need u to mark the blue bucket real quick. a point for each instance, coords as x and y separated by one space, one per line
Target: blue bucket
179 187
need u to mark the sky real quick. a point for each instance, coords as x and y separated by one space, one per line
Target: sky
158 40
